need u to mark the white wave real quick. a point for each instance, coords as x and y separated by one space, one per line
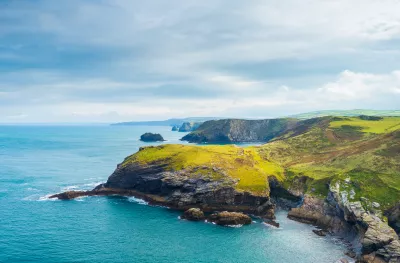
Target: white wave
235 226
69 188
80 199
47 198
137 200
94 184
38 197
93 178
87 186
271 226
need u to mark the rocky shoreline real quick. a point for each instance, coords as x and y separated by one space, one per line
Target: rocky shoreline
192 191
373 241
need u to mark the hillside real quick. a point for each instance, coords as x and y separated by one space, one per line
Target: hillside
345 171
237 130
363 156
346 113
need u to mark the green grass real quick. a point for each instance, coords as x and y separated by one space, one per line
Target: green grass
387 124
244 165
330 150
336 152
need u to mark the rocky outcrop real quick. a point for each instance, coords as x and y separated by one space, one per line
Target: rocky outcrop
393 216
229 219
189 126
373 239
175 128
188 188
234 130
320 232
193 214
151 137
181 190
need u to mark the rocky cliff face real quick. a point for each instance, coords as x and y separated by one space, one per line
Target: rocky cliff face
373 240
181 190
189 126
393 216
187 188
234 130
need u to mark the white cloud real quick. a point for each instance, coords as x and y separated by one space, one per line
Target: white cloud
355 86
158 59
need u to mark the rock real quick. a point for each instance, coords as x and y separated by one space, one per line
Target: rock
320 232
272 223
69 195
234 130
351 254
393 216
151 137
155 182
189 126
230 218
175 128
375 239
193 214
186 127
342 260
375 205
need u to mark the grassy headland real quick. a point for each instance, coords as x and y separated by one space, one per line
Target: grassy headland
360 155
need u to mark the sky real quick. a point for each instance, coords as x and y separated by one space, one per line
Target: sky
122 60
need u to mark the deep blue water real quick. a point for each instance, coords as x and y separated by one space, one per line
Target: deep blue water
36 161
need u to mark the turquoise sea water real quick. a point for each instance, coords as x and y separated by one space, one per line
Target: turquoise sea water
36 161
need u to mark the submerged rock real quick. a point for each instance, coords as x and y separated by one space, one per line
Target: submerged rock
193 214
151 137
320 232
229 218
272 223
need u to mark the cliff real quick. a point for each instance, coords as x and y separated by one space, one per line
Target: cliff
211 178
235 130
189 126
347 171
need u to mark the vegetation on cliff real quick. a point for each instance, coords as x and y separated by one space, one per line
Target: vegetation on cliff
236 130
361 155
250 171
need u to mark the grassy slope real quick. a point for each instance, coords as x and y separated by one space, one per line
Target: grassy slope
339 113
363 156
245 165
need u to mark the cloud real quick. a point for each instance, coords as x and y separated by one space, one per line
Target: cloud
82 60
356 86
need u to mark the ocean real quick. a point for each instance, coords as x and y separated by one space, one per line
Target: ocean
36 161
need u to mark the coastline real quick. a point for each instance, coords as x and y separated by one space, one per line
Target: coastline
371 239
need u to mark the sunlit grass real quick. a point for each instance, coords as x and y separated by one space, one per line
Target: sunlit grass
385 125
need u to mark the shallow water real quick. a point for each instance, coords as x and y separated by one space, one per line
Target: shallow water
37 161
